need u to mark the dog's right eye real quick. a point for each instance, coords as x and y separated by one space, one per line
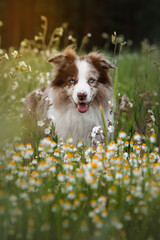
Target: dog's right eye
72 81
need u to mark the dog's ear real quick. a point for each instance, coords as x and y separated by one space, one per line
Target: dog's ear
67 56
102 65
57 59
99 59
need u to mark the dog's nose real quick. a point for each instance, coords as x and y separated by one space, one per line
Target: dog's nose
82 95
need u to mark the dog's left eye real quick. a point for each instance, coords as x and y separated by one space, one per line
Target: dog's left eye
72 81
91 80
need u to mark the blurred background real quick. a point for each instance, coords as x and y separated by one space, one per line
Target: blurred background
135 19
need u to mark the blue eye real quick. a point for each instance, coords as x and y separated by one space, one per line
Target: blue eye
72 81
91 80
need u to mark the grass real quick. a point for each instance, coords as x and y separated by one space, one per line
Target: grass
61 191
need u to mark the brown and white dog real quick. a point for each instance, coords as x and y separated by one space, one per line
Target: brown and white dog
72 100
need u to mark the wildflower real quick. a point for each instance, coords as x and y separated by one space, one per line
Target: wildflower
69 140
111 129
12 198
128 197
116 223
45 227
52 169
2 210
67 205
74 216
17 157
137 137
137 209
127 216
49 102
54 208
65 223
126 179
28 146
108 176
47 130
39 94
40 123
122 134
118 175
22 66
112 190
43 166
79 144
9 177
15 54
66 236
152 138
71 195
84 226
79 173
104 213
137 172
60 177
6 56
28 154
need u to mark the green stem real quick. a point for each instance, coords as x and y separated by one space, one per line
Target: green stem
104 125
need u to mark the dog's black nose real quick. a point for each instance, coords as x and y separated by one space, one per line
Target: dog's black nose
82 96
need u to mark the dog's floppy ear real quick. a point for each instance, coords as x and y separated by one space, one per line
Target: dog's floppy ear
99 59
68 56
106 64
57 59
102 65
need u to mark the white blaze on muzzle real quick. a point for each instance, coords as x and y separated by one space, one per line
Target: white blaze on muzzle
82 90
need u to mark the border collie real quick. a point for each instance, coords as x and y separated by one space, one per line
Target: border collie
72 100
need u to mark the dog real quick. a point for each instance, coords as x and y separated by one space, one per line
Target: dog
72 100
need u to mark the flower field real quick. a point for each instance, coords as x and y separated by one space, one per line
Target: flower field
55 190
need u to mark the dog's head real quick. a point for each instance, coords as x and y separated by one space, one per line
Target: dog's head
80 77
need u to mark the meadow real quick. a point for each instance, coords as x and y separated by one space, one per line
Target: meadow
55 190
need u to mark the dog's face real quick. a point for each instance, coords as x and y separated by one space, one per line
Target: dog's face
80 77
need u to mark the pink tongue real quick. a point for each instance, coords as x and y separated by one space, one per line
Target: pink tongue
82 107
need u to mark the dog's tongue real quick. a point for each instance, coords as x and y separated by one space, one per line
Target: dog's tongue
82 107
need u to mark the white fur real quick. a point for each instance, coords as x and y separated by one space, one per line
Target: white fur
71 123
68 121
82 86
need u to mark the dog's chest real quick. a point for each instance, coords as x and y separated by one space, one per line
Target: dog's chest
70 123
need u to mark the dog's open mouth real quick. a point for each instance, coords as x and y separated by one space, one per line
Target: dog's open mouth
82 107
